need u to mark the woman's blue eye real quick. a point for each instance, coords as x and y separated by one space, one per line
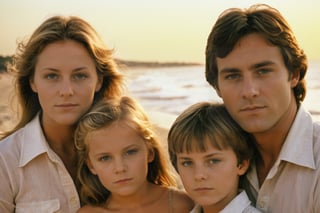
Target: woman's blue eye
80 76
51 76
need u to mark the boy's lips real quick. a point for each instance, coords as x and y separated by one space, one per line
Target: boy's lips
201 189
66 105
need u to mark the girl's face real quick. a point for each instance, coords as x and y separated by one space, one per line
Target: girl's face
119 157
211 177
65 80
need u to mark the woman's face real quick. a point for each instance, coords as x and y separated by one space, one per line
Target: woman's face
65 80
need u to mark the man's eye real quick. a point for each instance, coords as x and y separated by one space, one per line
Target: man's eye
264 71
232 76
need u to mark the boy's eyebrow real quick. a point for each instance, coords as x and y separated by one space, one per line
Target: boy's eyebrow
206 156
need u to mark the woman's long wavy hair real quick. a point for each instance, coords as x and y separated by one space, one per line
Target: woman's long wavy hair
54 29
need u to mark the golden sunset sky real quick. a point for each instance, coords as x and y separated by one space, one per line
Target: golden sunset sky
152 30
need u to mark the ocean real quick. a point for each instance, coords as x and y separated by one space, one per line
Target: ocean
170 90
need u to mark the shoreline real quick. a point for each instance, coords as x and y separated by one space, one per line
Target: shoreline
162 121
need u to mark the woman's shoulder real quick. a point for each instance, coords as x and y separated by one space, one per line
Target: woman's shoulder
180 201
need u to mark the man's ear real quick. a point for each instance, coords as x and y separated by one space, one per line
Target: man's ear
295 79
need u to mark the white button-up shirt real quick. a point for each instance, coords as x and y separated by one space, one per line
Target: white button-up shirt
32 177
240 204
293 183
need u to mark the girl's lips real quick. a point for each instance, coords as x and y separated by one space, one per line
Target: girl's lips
123 180
66 105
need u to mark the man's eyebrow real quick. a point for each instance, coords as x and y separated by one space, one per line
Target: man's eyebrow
261 64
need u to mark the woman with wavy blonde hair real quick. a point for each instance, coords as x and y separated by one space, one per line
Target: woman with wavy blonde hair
61 70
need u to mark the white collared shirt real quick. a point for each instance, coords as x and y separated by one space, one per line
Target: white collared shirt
293 183
240 204
33 177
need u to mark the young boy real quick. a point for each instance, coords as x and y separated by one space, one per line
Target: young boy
211 152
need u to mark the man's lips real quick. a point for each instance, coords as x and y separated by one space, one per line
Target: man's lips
251 108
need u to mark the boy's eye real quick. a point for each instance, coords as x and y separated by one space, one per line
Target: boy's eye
186 163
213 161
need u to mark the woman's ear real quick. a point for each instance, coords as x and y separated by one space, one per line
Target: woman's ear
33 85
243 167
99 83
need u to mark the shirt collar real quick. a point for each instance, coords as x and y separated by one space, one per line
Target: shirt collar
33 141
238 204
298 146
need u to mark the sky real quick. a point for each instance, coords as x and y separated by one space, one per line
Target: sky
152 30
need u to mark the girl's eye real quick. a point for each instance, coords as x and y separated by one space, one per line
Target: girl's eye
131 151
104 158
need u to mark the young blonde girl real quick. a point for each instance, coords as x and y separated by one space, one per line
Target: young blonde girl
122 166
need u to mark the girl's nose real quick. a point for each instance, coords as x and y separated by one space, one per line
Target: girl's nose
119 165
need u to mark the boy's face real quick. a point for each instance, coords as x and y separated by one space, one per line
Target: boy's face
211 177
